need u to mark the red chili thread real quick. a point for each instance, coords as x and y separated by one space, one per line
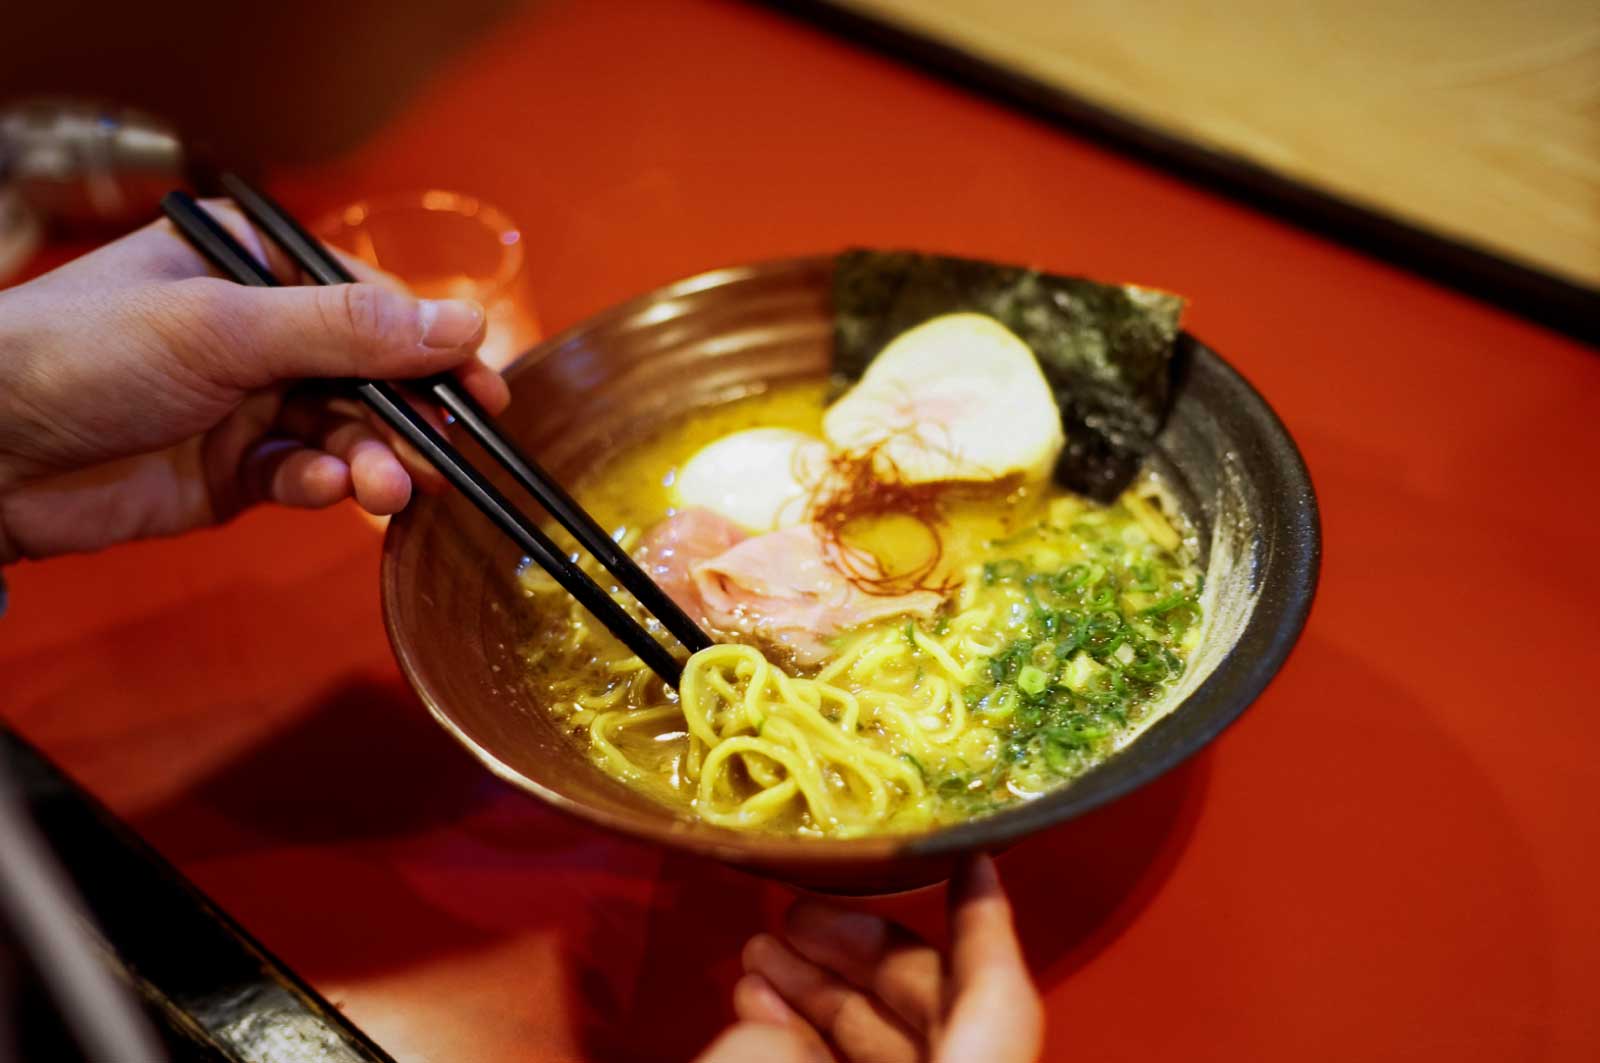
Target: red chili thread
868 483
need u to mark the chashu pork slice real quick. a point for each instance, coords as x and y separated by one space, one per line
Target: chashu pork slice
784 586
670 551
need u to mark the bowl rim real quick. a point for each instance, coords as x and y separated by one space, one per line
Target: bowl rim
1268 638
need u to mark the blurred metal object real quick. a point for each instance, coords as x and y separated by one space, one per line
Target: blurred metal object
206 990
87 165
42 910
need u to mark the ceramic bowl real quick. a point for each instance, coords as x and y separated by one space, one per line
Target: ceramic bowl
456 617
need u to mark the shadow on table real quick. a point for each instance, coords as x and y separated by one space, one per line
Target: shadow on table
360 841
349 801
364 763
1074 888
357 840
686 942
390 847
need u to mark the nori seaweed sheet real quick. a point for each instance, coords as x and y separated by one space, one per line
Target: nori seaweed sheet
1106 349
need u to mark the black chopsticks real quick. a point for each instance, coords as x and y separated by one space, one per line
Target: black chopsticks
222 250
323 266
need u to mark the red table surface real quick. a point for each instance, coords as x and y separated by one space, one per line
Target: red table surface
1392 856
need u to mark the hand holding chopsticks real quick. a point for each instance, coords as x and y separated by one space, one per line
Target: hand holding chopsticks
219 247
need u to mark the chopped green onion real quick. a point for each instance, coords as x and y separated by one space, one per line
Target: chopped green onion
997 571
1070 578
1167 605
1059 758
1000 704
1098 620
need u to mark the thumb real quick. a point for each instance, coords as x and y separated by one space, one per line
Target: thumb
252 337
995 1013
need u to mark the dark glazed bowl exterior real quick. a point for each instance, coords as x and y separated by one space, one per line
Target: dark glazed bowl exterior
456 618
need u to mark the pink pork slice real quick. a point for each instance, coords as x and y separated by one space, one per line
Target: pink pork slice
671 550
783 585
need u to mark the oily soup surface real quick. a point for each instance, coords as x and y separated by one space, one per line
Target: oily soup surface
1064 625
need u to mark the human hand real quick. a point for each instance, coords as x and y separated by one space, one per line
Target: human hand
142 396
847 987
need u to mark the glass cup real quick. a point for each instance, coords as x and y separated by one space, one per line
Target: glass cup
446 245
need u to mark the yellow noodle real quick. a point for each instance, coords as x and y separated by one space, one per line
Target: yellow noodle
770 743
875 734
939 654
603 701
605 748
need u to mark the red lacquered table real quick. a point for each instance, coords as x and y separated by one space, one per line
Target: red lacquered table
1393 855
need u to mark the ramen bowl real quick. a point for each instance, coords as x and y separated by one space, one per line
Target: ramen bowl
459 622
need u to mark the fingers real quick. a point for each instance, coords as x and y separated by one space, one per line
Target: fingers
424 477
380 483
311 416
231 218
485 384
754 1000
278 261
872 954
247 338
356 464
285 472
177 260
265 251
857 1024
983 940
748 1041
490 391
880 993
995 1012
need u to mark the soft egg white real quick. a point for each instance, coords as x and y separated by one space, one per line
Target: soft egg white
762 479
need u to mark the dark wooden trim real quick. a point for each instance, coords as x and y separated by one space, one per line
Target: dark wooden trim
1539 296
211 988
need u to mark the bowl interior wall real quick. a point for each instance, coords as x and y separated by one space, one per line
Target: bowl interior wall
458 620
